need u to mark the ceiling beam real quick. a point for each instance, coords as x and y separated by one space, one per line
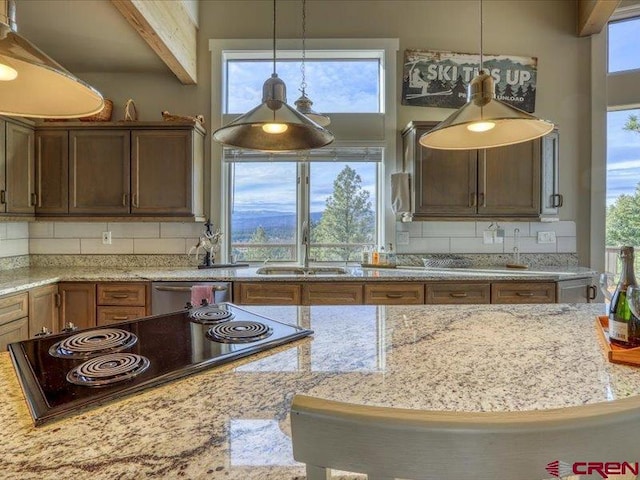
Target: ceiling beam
169 31
593 15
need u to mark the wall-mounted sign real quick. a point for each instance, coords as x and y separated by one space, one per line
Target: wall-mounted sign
439 79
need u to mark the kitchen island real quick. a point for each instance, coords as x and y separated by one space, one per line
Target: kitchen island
232 421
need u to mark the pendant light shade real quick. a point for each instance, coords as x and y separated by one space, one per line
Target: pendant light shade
484 121
273 126
32 84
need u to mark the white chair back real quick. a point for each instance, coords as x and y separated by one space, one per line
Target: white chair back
387 443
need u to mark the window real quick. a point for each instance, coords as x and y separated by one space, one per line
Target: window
624 38
339 185
339 191
360 94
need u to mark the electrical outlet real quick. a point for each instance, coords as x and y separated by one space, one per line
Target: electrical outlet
403 238
488 236
106 238
499 235
546 237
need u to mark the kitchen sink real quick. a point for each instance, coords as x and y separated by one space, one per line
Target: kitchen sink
294 270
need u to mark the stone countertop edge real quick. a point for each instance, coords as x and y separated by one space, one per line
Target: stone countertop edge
21 279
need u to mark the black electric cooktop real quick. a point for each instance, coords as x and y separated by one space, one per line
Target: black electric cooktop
63 373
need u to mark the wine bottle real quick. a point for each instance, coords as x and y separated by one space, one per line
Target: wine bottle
624 326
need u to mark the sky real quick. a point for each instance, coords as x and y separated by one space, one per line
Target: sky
623 147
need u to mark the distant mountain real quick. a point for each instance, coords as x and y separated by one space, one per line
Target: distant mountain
276 224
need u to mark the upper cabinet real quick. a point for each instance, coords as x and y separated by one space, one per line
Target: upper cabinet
498 182
151 169
17 177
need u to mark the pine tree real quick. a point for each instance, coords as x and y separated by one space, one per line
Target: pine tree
508 91
348 218
459 91
261 237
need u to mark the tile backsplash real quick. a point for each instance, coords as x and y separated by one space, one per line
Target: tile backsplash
126 237
14 239
467 237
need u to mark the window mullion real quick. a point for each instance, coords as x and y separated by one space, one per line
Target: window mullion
303 203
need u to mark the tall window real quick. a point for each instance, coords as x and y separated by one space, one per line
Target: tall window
623 147
337 191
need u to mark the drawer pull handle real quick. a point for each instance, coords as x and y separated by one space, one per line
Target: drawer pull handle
58 300
394 295
34 199
458 294
592 292
215 288
524 294
120 317
3 197
473 199
118 295
125 200
557 200
135 200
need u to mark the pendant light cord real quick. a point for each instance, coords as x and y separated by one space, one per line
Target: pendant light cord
481 42
274 37
303 85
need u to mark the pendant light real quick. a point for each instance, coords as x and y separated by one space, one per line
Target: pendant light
34 85
273 125
304 103
484 121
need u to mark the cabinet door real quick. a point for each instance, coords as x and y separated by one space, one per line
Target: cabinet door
330 293
582 290
509 180
551 199
20 183
52 171
267 293
161 172
78 304
516 292
12 332
467 293
99 171
43 309
3 164
394 293
446 182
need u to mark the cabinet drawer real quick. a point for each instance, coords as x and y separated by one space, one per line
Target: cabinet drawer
394 294
14 307
14 331
267 294
458 293
523 293
332 294
133 294
108 315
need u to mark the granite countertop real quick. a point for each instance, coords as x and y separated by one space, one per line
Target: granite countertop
232 421
12 281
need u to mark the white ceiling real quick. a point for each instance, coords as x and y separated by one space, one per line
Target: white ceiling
85 36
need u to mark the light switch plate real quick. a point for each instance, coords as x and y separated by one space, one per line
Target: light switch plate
499 235
403 238
546 237
487 236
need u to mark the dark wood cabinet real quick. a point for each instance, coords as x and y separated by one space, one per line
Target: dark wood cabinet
20 196
14 319
102 169
43 309
160 158
496 182
52 172
77 305
99 171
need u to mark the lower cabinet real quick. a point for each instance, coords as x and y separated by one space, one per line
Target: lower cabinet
14 319
330 293
267 293
582 290
90 304
44 303
543 292
394 293
457 293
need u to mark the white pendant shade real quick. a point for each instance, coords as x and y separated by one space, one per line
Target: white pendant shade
41 87
484 122
303 105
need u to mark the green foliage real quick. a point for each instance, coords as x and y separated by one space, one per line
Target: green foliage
632 124
623 220
262 251
348 218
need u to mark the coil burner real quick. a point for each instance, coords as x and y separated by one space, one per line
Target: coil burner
210 315
93 343
108 369
241 331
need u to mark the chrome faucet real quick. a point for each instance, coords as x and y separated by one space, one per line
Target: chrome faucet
306 243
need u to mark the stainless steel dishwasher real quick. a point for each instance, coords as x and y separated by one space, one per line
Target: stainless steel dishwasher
169 297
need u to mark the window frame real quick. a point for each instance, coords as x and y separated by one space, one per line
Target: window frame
351 129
